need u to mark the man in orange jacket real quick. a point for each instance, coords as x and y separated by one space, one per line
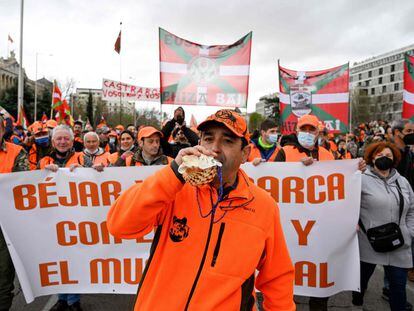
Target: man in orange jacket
210 240
13 158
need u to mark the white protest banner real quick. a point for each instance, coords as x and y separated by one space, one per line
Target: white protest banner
54 225
113 90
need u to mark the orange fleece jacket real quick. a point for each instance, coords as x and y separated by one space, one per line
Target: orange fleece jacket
246 235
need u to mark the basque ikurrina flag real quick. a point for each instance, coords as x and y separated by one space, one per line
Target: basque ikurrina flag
408 95
195 74
323 93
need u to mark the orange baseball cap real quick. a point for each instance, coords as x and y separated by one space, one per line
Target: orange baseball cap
308 119
147 131
51 123
119 127
113 133
38 127
231 120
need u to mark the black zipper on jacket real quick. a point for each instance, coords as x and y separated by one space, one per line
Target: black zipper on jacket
218 243
203 259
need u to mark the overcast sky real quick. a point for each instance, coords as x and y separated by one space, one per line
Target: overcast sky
304 35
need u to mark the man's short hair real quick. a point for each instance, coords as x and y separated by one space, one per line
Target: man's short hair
399 125
268 124
87 134
78 123
63 127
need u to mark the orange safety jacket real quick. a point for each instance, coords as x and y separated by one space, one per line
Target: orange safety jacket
102 158
200 260
255 153
8 156
74 158
293 154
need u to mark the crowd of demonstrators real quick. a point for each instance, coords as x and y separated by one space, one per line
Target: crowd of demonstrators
387 181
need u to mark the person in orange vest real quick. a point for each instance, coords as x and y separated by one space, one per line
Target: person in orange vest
62 154
40 144
18 136
13 158
77 131
265 147
51 124
325 141
211 239
126 149
93 155
305 148
149 151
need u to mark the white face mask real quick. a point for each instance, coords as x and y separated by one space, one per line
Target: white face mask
306 140
272 138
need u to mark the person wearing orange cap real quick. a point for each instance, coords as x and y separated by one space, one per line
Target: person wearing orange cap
40 144
211 239
119 129
126 149
113 141
149 151
13 158
305 148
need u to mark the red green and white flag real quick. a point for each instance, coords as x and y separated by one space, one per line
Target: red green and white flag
21 118
195 74
56 97
408 94
323 93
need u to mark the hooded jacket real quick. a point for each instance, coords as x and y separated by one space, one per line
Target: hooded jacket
200 260
380 205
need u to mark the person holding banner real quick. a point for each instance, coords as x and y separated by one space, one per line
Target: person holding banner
385 196
13 158
265 147
126 149
62 154
203 258
93 155
304 148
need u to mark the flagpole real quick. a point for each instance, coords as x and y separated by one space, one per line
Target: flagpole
350 105
21 82
120 73
51 105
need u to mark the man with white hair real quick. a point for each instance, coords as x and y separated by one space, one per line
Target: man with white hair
93 155
62 154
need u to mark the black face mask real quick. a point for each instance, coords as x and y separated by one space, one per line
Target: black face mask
180 119
409 139
383 163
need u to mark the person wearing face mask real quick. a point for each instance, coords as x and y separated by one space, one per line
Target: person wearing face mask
13 158
40 144
126 149
342 153
305 149
386 196
93 155
265 147
113 141
18 136
178 122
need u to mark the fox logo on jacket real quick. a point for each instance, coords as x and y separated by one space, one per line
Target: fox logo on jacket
179 229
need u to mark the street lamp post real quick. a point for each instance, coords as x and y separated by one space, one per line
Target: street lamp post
35 90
